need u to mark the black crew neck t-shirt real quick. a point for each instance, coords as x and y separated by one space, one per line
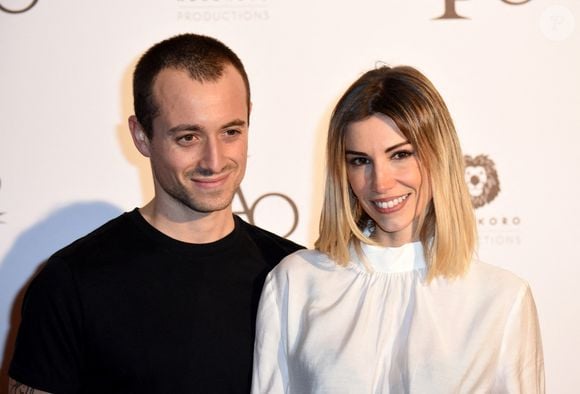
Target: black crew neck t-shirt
128 309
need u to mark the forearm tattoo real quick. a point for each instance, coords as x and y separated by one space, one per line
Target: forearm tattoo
19 388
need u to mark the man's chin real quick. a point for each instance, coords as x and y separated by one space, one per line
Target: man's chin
210 205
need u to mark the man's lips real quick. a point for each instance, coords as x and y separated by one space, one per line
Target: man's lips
210 182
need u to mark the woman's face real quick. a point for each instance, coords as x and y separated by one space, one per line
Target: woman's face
384 174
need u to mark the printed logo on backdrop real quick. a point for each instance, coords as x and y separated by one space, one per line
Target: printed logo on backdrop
222 10
484 186
1 212
274 211
16 6
451 13
557 22
482 180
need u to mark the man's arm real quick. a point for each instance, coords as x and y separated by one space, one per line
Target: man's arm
15 387
47 347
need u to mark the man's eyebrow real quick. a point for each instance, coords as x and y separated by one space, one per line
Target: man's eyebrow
184 127
236 122
389 149
196 127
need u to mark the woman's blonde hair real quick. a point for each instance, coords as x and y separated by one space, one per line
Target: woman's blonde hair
447 227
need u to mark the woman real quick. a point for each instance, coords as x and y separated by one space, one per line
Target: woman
391 300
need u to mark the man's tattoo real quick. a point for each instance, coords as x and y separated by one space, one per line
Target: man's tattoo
19 388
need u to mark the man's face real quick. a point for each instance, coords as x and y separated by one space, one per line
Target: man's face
199 143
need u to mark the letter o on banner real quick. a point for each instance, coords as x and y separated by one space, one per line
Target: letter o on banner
20 10
519 2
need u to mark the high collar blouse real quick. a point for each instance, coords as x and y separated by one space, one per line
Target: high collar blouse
376 326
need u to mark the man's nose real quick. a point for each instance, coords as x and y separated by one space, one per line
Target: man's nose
212 156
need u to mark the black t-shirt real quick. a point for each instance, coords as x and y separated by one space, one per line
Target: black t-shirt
129 309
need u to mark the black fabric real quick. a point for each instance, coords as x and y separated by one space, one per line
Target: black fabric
127 309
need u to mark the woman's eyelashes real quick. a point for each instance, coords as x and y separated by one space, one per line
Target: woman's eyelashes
358 161
399 155
402 154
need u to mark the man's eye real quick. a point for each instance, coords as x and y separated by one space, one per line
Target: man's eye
185 139
232 132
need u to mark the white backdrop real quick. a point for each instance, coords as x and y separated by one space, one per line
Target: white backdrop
509 71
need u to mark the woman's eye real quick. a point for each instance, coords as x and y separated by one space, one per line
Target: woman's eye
402 154
358 161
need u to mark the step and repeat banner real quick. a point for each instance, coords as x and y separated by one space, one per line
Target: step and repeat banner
508 69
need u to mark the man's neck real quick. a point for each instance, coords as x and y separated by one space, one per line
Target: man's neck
187 225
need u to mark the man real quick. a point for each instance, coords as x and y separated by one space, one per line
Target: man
161 299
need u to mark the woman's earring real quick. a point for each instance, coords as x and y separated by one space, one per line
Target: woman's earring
370 228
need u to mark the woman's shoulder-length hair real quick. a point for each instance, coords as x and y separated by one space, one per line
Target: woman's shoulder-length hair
447 227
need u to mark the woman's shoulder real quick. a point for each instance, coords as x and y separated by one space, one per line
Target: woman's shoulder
305 262
491 271
496 280
305 259
485 291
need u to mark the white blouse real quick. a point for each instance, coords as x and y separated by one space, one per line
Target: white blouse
323 328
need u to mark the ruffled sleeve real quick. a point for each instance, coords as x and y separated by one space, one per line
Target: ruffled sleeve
521 360
270 373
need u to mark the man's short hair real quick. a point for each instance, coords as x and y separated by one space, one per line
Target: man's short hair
204 58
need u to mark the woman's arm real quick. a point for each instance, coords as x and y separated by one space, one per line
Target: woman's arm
270 373
521 364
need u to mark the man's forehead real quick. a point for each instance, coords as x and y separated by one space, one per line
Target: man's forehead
182 100
171 81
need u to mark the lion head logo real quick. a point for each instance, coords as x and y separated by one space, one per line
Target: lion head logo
482 180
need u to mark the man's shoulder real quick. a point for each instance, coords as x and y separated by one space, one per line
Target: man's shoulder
271 244
106 237
113 248
57 280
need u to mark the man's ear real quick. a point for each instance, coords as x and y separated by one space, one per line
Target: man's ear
249 112
140 139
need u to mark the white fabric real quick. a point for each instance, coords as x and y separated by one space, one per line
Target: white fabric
327 329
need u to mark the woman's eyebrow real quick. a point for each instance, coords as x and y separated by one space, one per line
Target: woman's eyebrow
354 152
396 146
390 148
